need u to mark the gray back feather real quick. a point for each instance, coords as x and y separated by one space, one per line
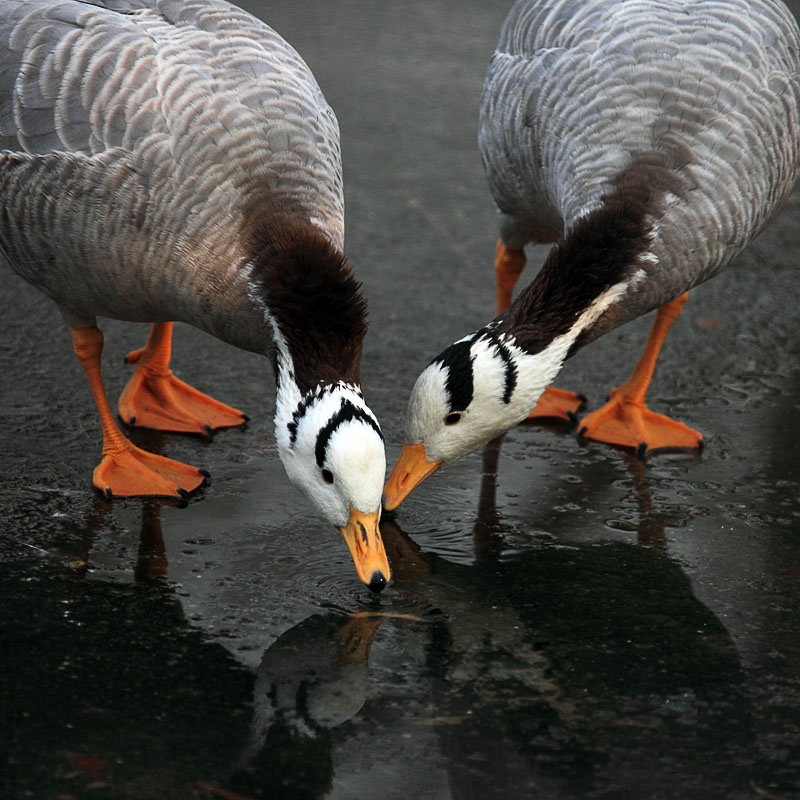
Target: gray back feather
198 96
578 90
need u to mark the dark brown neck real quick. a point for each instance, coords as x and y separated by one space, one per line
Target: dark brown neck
313 298
601 250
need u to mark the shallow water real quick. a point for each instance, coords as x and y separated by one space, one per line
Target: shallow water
564 621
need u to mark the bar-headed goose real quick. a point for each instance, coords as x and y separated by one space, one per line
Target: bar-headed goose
167 160
651 142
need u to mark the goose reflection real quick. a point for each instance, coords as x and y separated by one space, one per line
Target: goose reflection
313 677
154 708
553 670
563 668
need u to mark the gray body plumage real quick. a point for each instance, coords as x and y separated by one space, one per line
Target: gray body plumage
135 136
705 94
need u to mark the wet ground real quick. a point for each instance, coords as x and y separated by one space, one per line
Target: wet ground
564 620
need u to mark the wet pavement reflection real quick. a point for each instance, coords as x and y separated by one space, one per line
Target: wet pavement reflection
571 667
562 670
564 620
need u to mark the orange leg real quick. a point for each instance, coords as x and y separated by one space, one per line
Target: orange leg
625 419
125 469
507 268
554 403
155 398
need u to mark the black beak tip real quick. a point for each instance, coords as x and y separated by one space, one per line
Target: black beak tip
377 581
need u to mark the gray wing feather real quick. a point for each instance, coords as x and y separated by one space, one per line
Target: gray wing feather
136 133
85 77
55 60
577 91
187 92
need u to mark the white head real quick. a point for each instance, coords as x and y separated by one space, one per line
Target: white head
469 394
332 449
472 392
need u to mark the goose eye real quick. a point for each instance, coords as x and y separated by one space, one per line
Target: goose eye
452 418
327 476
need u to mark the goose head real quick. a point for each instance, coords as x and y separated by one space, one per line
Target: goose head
329 441
332 450
473 391
489 381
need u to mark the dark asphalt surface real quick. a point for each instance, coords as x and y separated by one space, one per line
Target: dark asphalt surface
564 621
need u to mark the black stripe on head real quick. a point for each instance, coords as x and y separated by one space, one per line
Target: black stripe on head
509 366
459 384
347 411
303 406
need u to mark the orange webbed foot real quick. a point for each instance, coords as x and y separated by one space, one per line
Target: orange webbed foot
161 401
557 404
624 422
129 471
134 356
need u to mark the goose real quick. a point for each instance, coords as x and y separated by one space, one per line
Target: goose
166 161
648 142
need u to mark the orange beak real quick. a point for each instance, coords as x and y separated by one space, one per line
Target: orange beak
364 541
410 470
